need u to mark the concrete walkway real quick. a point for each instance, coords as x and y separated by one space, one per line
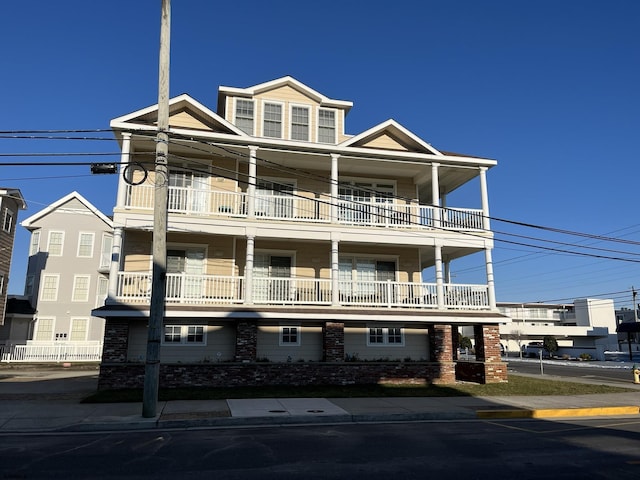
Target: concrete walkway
49 401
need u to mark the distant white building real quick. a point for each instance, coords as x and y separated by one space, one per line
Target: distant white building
585 326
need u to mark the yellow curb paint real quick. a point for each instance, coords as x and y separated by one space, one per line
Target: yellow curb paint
559 412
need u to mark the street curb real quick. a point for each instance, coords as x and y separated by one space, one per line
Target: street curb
559 412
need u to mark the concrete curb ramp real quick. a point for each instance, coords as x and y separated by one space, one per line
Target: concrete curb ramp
559 412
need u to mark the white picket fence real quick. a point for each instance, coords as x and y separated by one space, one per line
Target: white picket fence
52 352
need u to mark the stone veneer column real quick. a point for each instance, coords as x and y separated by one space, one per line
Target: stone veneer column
488 352
246 341
441 345
333 341
487 339
116 340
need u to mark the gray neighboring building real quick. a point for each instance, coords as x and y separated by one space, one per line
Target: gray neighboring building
68 270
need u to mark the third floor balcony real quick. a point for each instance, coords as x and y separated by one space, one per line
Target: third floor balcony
305 207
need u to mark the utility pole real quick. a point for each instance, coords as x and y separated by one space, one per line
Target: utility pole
159 274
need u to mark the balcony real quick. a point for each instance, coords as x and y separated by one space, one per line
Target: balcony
135 288
298 208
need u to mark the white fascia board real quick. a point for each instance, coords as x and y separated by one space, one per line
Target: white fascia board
260 314
27 223
391 124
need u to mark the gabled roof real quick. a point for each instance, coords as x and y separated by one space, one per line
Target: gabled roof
28 223
15 194
278 83
390 135
184 112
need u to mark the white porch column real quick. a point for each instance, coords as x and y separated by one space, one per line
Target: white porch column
251 188
439 276
335 270
124 161
491 288
447 271
486 224
248 269
114 267
435 195
334 187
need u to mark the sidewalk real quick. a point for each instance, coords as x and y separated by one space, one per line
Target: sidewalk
49 402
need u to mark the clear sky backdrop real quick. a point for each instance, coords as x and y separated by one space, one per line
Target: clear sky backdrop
548 88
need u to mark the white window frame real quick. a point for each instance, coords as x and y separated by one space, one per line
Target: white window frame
56 278
386 336
34 244
183 332
74 322
56 254
7 220
253 118
335 125
106 250
285 332
36 333
264 119
1 283
75 297
291 123
82 235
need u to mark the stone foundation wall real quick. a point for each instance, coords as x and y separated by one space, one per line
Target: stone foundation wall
481 372
128 375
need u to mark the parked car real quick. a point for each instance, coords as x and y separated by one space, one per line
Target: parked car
532 350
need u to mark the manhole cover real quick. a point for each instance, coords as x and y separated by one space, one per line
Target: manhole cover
277 411
315 411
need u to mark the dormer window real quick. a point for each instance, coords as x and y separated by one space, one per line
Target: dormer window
300 123
272 126
244 115
326 126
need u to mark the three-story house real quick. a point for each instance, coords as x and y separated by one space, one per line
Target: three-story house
296 253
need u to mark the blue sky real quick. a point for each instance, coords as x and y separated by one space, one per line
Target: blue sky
548 88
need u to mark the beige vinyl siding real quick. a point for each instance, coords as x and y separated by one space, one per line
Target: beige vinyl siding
310 348
186 120
416 344
385 142
313 260
219 260
219 338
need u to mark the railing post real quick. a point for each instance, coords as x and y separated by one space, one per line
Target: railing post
435 195
439 277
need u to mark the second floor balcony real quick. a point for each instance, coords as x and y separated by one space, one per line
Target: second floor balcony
292 207
187 289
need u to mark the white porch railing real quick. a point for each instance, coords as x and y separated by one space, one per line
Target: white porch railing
302 209
52 352
182 288
135 287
